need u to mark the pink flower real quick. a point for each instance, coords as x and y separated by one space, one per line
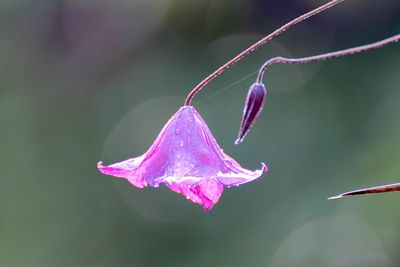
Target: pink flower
187 159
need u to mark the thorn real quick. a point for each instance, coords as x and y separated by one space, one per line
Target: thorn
370 191
335 197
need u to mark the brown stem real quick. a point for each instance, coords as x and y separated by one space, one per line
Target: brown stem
370 190
340 53
253 47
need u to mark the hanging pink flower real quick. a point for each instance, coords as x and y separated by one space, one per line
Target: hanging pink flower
187 159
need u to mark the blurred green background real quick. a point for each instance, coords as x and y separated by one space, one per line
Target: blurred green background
83 81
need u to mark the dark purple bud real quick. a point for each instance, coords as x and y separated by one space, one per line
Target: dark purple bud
252 108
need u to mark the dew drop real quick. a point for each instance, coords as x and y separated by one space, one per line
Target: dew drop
178 155
181 143
177 131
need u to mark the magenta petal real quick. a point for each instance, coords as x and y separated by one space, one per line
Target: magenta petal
205 193
185 157
240 175
125 169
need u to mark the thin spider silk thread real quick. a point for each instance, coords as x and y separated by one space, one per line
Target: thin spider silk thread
201 101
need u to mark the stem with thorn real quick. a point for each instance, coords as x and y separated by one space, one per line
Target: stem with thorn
254 46
340 53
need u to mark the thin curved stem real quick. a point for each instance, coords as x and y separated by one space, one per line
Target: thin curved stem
340 53
254 46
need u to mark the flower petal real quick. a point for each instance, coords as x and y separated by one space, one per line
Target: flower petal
125 169
206 193
186 157
239 175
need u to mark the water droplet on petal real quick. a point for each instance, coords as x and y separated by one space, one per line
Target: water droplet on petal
177 131
181 143
178 155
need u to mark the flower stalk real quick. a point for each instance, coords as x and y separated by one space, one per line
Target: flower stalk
269 37
321 57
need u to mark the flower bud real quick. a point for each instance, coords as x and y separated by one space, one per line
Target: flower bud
252 108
